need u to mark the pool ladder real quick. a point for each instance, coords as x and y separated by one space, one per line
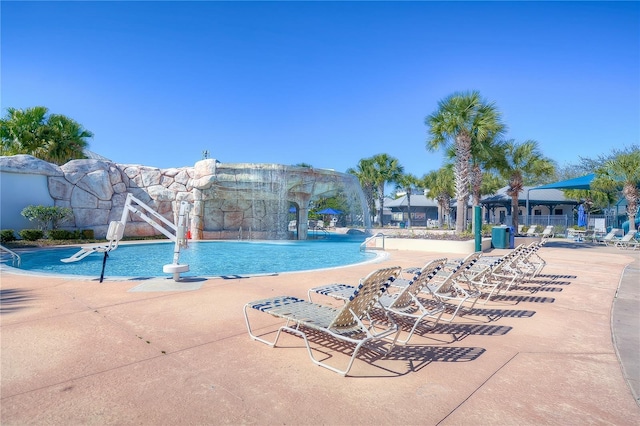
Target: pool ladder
250 237
363 246
15 258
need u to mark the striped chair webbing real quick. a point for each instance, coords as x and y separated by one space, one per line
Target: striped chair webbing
366 296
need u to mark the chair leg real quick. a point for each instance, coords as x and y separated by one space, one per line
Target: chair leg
260 339
344 372
455 313
415 325
493 289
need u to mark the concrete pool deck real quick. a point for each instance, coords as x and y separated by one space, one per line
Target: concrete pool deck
80 352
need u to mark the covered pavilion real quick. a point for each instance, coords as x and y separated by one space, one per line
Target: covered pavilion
528 199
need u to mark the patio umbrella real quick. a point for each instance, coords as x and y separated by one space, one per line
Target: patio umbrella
329 211
582 217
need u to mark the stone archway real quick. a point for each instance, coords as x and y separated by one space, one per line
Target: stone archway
246 200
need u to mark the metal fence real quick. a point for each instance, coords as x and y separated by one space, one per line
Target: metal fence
562 222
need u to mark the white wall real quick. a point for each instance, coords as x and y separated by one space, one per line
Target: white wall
18 191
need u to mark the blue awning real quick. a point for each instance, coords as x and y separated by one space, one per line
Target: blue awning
583 182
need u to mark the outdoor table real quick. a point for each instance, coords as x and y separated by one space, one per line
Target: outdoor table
577 234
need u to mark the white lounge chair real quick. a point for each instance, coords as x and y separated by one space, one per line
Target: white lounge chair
522 264
495 279
457 287
628 241
531 232
529 263
404 303
503 272
612 237
548 232
349 323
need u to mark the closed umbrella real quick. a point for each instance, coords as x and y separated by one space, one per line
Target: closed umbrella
582 217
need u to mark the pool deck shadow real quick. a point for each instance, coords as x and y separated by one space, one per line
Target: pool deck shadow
156 351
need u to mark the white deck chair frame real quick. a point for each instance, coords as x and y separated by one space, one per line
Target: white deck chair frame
349 323
612 237
531 232
404 303
494 281
457 287
530 264
547 232
500 275
628 241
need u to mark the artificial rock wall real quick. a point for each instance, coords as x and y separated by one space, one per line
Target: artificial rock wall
228 200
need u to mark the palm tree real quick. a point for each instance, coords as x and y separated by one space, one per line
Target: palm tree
441 186
365 173
622 170
491 183
20 130
385 169
485 155
592 199
460 119
523 164
406 182
66 140
595 198
54 138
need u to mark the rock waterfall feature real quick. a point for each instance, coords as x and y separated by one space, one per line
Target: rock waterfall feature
230 200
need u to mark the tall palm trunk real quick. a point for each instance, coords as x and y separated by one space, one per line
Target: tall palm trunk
476 183
630 192
444 201
463 155
381 201
514 211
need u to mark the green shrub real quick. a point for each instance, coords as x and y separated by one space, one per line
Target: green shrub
466 235
62 234
47 217
7 235
87 234
558 230
31 234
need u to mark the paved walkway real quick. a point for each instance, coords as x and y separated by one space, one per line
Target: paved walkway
561 351
625 325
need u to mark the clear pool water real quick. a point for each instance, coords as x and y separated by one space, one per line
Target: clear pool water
205 259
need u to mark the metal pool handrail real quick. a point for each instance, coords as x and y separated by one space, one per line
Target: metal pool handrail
363 246
15 258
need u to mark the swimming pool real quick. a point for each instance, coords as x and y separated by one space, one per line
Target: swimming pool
205 258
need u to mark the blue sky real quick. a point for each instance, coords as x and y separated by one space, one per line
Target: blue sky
324 83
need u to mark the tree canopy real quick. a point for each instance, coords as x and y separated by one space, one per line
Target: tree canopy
464 120
51 137
623 173
522 165
373 173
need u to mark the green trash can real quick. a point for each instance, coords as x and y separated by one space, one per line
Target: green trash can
500 237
